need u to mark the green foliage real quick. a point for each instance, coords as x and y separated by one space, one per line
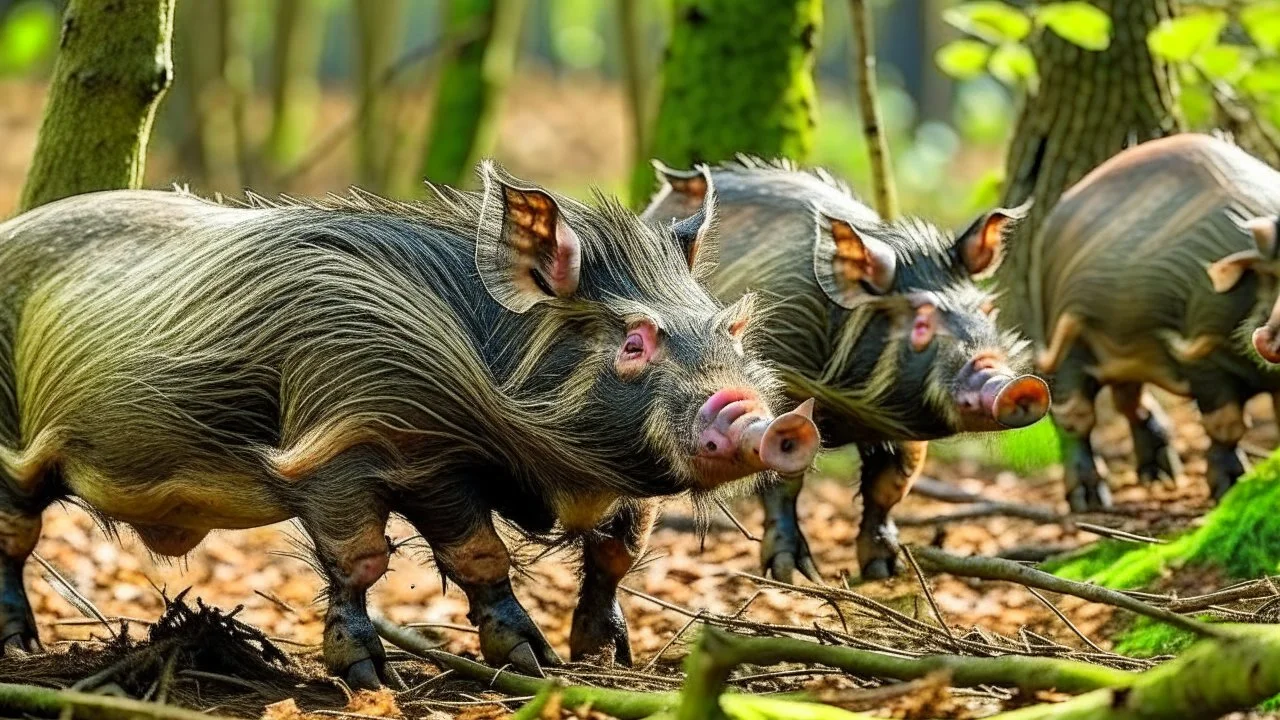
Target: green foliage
963 59
1262 21
1180 39
1012 63
1241 537
1077 22
995 22
28 36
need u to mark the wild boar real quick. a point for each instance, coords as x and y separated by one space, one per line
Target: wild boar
881 322
1120 297
180 366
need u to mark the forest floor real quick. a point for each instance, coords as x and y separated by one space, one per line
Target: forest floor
263 572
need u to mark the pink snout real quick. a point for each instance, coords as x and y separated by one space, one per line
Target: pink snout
1267 343
993 399
738 437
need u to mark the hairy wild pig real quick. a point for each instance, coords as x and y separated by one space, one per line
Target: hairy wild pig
1119 296
181 366
880 322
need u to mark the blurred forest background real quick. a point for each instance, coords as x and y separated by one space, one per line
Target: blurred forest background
310 96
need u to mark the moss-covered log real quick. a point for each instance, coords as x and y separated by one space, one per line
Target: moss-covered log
113 67
738 77
463 121
1090 106
299 29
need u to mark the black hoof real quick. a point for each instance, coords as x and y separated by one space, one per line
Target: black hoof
599 632
363 676
1225 468
880 569
508 636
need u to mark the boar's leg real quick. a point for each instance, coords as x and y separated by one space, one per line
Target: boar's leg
608 554
1221 404
887 474
349 534
469 552
1076 392
1149 427
19 532
784 549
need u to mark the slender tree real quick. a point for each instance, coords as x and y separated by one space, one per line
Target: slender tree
633 66
377 33
299 39
463 121
112 70
1090 106
738 77
869 104
215 62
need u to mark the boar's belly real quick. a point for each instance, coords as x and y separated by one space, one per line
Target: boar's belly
186 500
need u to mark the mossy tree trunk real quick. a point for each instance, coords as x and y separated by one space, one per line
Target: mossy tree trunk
113 67
464 119
738 77
299 39
377 41
1091 105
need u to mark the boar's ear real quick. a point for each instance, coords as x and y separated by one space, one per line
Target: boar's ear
850 264
980 248
1226 273
696 234
525 251
692 184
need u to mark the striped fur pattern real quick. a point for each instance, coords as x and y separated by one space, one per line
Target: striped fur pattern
855 361
1126 252
178 362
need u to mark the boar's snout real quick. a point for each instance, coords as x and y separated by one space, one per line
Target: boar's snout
738 436
991 397
1267 342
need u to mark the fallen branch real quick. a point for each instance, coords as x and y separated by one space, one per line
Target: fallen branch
48 702
1235 671
989 568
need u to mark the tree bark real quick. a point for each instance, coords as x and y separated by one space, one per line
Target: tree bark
377 32
216 67
738 78
1091 105
886 189
463 122
113 67
298 44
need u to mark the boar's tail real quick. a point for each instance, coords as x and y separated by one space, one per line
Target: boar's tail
27 466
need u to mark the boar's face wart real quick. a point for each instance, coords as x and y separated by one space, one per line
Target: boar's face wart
882 322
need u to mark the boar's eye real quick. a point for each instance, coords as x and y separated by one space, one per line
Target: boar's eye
638 349
633 347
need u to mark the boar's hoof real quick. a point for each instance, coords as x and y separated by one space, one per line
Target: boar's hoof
781 555
1090 498
880 568
1155 458
507 633
19 644
599 633
1225 467
363 676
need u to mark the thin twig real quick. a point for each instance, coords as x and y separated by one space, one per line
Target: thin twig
1054 609
272 598
736 523
928 594
81 603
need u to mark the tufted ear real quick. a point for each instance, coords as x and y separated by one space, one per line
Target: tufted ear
696 234
1227 272
525 251
849 264
980 248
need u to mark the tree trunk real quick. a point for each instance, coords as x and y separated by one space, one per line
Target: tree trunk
630 27
377 34
113 67
298 43
738 77
215 62
463 122
1091 105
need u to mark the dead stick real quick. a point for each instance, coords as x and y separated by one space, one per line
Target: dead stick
81 603
48 702
869 104
989 568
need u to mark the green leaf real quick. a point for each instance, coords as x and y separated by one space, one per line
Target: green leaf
1013 64
1263 81
990 20
1225 62
1179 39
1262 21
1077 22
28 36
1197 104
963 58
986 191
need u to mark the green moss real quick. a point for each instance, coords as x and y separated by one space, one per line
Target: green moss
1149 638
1030 448
1241 537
